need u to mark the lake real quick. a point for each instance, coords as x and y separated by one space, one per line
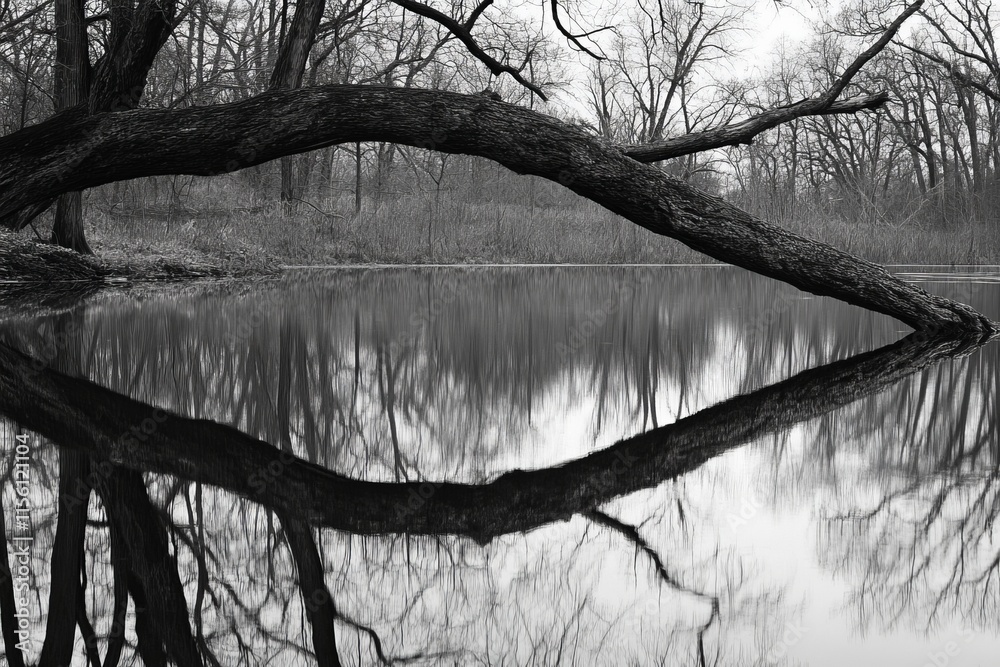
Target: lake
506 466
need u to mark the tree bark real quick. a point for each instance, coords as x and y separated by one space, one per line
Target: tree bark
115 83
138 32
288 71
295 47
67 228
71 87
357 178
73 151
77 413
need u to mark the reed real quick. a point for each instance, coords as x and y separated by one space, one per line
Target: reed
248 233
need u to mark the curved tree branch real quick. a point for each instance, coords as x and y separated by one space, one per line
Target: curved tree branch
74 151
744 131
575 39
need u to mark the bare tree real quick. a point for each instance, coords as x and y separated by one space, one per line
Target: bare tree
82 148
71 88
658 67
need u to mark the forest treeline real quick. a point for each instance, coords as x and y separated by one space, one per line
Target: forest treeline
928 158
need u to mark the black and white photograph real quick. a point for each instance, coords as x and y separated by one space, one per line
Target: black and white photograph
499 333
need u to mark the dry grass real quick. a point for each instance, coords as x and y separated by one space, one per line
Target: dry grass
25 260
177 259
255 239
907 244
229 224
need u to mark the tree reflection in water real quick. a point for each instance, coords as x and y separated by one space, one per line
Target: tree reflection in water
236 551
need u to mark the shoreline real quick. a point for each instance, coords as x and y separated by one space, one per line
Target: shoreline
37 277
27 262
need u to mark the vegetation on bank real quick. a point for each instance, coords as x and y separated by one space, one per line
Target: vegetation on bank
234 227
234 234
481 213
29 260
240 231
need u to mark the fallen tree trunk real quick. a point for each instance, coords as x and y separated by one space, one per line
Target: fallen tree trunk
73 151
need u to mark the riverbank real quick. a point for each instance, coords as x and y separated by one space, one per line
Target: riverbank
416 231
258 241
38 276
25 260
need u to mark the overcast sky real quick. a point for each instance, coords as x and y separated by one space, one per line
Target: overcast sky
767 23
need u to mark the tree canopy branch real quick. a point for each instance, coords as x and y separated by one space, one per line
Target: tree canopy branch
744 131
955 72
464 34
9 26
834 92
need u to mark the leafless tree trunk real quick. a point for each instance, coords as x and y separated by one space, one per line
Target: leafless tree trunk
71 88
288 72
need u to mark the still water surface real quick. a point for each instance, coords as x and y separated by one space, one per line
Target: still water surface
846 517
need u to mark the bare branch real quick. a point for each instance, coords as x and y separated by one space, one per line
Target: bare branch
873 51
631 533
957 74
476 13
744 131
575 39
970 31
380 651
461 31
10 25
